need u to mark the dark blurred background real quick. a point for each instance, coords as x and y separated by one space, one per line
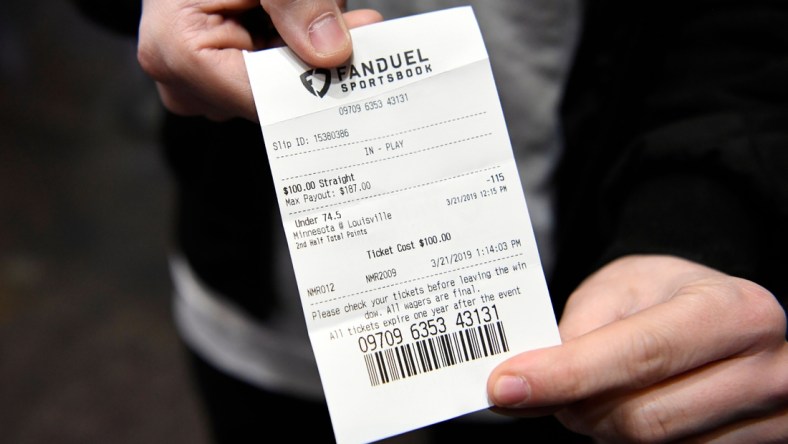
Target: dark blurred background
88 352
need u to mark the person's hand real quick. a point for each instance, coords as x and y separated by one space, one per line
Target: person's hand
193 48
657 348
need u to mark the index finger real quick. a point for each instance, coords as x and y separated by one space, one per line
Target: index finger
704 323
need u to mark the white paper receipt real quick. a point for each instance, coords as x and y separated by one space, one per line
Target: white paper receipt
412 245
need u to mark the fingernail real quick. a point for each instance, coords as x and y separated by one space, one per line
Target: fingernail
511 391
327 35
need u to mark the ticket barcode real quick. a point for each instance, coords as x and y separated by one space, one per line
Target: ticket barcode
434 353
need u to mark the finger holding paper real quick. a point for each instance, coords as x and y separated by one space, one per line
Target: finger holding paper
659 348
194 50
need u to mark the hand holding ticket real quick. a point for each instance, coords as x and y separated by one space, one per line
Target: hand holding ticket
406 222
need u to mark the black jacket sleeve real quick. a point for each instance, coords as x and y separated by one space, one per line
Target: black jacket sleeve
676 130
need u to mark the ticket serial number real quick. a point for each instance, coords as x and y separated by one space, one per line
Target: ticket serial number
372 105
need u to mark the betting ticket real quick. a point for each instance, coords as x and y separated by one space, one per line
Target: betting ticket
413 250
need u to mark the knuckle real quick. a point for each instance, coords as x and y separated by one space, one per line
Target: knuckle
640 421
649 358
750 309
759 317
166 48
148 59
149 51
154 62
764 309
630 420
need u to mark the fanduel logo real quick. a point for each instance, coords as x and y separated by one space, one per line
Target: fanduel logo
312 78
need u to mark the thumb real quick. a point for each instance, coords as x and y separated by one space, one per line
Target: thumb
314 30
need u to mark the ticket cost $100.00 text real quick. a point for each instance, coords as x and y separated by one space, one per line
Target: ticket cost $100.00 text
406 221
